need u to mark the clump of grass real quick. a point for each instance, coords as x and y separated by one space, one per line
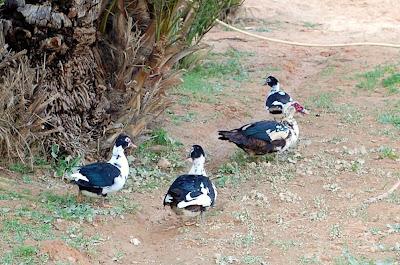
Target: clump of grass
146 174
392 83
311 25
63 165
75 238
348 258
321 101
370 79
387 152
20 168
23 255
210 77
390 118
66 207
15 230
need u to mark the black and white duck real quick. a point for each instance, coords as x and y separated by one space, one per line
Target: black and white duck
101 178
192 194
263 137
278 101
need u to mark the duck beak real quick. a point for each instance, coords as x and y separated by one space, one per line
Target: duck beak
132 145
305 111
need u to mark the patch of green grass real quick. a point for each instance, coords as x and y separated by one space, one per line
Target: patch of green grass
208 79
66 207
9 195
387 152
178 119
250 259
390 118
314 259
348 113
15 230
370 79
348 258
245 241
146 174
20 168
285 245
77 239
321 101
328 71
392 83
23 255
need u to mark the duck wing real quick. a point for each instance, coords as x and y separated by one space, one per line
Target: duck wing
277 100
266 131
189 190
99 174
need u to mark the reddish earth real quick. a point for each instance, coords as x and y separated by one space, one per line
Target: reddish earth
310 212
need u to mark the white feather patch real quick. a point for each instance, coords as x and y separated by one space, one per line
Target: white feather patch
90 194
168 198
78 176
277 135
202 200
277 103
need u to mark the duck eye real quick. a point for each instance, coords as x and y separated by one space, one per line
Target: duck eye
127 140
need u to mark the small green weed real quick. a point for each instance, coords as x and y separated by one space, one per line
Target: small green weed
311 25
387 152
335 231
390 118
63 165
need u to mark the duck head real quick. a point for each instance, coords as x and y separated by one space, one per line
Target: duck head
272 82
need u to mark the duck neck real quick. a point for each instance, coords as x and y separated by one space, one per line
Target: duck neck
275 88
198 167
293 124
119 160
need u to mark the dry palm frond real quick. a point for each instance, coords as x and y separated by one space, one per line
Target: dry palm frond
92 85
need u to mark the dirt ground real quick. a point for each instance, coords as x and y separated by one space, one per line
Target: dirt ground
309 210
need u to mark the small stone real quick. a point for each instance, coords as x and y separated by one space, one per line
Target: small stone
363 150
163 163
135 241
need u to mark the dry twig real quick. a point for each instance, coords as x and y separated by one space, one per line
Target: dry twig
384 195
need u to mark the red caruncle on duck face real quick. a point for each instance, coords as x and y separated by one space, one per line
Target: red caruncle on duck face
299 108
